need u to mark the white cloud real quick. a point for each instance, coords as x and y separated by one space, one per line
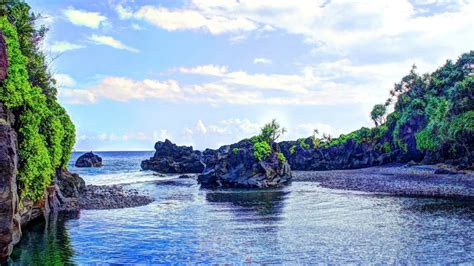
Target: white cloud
64 46
161 135
64 80
200 127
84 18
110 41
237 39
212 70
75 96
368 29
123 12
187 19
313 85
261 60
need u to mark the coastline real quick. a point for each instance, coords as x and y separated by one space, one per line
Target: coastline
397 180
107 197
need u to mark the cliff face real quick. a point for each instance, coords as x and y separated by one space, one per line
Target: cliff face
59 194
10 220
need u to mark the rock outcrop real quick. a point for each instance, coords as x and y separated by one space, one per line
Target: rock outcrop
171 159
235 166
10 220
89 159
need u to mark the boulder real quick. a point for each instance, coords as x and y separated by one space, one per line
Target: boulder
89 160
171 159
235 166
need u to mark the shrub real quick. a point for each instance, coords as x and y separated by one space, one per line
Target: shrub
378 114
235 151
303 144
272 131
292 149
281 157
261 150
461 129
46 134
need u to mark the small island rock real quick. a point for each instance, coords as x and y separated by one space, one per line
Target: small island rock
171 159
235 166
89 160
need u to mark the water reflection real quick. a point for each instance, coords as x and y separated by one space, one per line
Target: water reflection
45 243
265 203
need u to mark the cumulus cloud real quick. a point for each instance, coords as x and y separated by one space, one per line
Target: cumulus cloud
313 85
186 19
261 60
84 18
110 41
63 46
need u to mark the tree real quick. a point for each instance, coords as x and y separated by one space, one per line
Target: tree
378 114
272 131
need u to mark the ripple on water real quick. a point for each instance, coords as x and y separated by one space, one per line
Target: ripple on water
302 223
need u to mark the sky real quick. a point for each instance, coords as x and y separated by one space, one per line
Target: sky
211 72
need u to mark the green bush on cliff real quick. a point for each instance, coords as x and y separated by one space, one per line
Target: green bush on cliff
281 157
261 150
292 149
303 144
435 131
46 134
461 129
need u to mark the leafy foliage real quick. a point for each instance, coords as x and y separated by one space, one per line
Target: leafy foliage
46 133
261 150
378 114
272 131
281 157
235 151
292 149
302 143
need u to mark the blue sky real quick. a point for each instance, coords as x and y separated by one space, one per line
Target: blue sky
207 72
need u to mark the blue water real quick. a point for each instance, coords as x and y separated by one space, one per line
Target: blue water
302 223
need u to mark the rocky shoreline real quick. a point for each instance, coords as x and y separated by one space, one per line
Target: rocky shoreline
397 179
107 197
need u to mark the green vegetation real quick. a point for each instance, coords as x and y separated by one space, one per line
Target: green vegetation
271 131
378 114
262 144
292 149
261 150
281 157
46 133
303 144
437 109
235 151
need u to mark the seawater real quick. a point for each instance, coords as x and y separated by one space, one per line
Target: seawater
302 223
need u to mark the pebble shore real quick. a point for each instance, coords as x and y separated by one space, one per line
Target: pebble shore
401 180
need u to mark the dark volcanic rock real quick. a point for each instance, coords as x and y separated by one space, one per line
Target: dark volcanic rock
350 155
228 169
170 158
69 184
89 160
10 221
111 197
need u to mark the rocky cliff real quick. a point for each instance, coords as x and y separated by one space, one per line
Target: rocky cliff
236 166
170 158
23 150
10 219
